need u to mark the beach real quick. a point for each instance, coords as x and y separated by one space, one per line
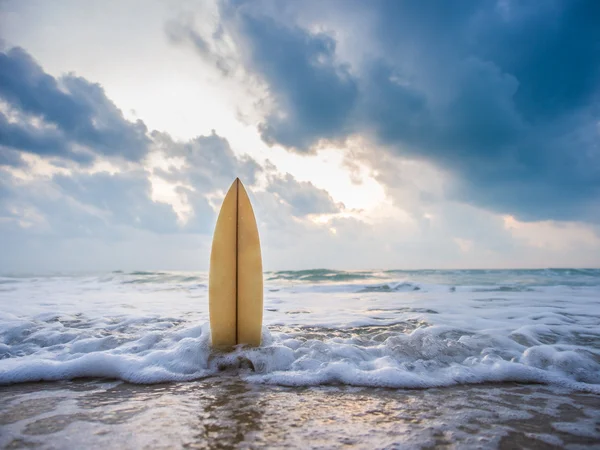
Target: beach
396 359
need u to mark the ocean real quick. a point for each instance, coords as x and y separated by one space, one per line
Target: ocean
368 359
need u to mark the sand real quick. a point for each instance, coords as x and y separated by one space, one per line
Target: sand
227 412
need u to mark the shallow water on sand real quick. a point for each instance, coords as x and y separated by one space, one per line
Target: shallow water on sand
227 412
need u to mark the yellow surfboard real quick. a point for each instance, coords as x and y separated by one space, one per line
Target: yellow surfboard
235 284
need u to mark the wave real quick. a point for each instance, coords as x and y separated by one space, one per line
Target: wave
467 277
368 328
391 287
478 278
143 273
164 280
592 272
405 355
504 289
319 275
173 278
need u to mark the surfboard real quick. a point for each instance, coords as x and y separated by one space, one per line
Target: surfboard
235 282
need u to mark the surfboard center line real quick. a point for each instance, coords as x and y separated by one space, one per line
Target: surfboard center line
237 256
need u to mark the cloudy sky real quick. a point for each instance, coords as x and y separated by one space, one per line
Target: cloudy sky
379 134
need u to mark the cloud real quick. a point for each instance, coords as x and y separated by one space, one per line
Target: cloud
454 122
99 204
312 92
208 161
121 199
66 117
70 119
10 157
207 166
217 56
302 196
502 94
84 205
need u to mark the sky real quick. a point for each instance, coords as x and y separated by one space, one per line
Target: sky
370 135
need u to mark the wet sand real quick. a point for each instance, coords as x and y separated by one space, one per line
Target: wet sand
227 412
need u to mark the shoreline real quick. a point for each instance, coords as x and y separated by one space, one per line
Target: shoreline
227 411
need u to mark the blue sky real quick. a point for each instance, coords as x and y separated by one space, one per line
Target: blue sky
375 134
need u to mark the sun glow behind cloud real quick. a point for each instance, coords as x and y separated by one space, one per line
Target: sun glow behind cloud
326 169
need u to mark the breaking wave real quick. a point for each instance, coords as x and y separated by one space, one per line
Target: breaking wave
391 329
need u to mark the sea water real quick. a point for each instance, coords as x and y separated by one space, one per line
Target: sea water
323 329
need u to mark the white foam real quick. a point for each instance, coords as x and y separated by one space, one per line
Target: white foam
111 326
582 428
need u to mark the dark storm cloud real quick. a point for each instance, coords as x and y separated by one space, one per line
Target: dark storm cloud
68 117
504 94
313 93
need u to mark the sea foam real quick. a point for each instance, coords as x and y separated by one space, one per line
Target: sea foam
150 328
